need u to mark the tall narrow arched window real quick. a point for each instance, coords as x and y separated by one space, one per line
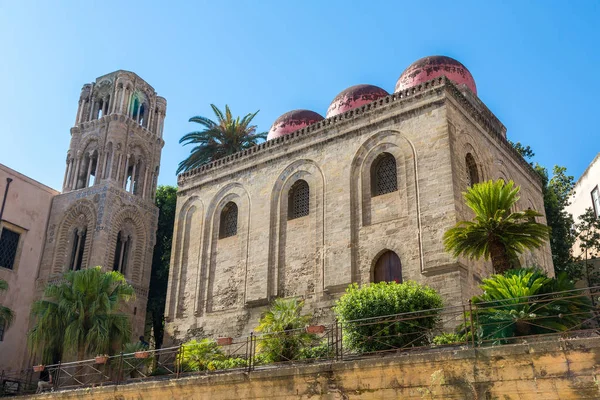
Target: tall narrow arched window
79 236
388 268
228 220
472 174
122 252
299 200
384 175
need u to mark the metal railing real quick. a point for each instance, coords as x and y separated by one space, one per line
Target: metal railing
552 316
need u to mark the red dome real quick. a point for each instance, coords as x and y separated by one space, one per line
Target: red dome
431 67
354 96
292 121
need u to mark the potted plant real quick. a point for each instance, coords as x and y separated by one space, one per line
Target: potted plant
224 341
38 368
142 354
315 329
101 358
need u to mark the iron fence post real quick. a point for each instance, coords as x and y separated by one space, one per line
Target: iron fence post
179 360
57 378
251 358
465 323
472 327
120 369
341 342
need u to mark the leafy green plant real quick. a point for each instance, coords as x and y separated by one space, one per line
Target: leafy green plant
81 315
6 314
283 335
197 355
377 303
496 231
525 302
227 363
448 338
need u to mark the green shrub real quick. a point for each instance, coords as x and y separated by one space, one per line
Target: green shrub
227 363
320 350
378 300
448 338
196 355
283 335
506 310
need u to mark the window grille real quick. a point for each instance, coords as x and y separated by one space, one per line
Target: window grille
228 224
2 328
596 201
299 200
472 174
384 176
9 242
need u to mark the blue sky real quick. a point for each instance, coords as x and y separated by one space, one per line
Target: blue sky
536 64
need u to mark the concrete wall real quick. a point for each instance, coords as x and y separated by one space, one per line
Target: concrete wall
557 370
26 211
582 195
219 287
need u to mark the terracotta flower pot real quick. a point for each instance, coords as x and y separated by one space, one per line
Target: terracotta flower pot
101 359
315 329
224 341
142 354
38 368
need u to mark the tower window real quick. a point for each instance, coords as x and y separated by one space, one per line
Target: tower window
228 221
299 200
384 175
122 252
388 268
472 174
9 243
596 201
79 236
2 328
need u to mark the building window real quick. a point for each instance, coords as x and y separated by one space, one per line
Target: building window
79 236
596 201
122 252
228 222
472 174
9 243
2 328
388 268
299 200
384 175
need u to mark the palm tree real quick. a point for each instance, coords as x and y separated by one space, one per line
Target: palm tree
81 315
6 314
283 328
496 232
219 139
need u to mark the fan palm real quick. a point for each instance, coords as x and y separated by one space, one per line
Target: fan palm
219 139
81 315
6 314
283 327
495 232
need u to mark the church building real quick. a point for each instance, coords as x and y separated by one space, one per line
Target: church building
361 195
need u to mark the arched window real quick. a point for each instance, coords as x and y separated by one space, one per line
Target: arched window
79 236
299 200
472 174
384 175
388 268
228 221
122 252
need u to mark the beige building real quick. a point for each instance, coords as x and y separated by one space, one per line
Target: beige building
24 211
364 194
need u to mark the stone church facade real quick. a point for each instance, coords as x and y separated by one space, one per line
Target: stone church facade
362 195
105 214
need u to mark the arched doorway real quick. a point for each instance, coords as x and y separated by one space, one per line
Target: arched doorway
388 268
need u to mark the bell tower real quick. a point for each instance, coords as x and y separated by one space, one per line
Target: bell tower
106 214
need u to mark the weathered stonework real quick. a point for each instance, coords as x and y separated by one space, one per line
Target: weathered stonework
219 287
106 214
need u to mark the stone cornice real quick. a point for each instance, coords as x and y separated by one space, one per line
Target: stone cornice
477 109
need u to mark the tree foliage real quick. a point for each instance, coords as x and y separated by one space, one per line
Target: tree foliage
6 314
507 309
226 136
376 302
81 315
496 231
166 201
283 335
588 237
